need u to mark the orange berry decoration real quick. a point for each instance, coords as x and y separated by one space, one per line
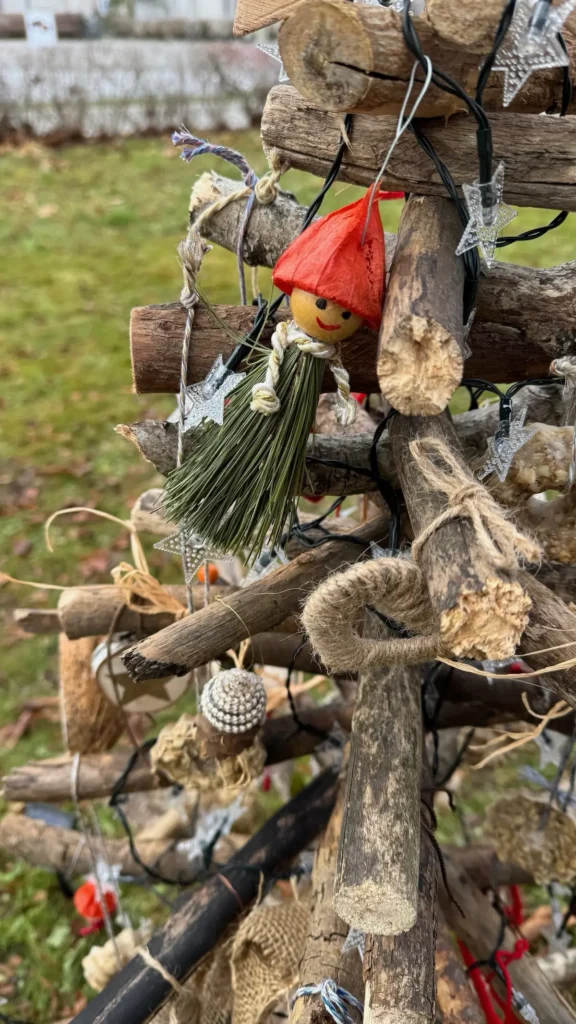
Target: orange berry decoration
212 573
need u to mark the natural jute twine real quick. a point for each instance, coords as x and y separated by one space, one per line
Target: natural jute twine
397 587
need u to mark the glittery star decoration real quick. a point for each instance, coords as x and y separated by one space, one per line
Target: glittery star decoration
509 439
272 50
192 550
355 940
205 401
487 213
531 43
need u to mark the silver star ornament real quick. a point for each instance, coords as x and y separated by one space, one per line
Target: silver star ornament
205 401
532 43
192 550
273 51
355 940
487 213
509 439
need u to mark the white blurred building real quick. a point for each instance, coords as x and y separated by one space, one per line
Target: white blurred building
195 10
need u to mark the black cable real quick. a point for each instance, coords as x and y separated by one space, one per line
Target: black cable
265 311
303 726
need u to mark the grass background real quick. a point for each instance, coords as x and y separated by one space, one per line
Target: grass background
88 232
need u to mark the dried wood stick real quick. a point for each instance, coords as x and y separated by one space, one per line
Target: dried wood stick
322 954
456 999
420 353
505 349
526 142
551 624
356 60
254 609
479 928
138 991
482 609
399 970
90 722
376 885
472 26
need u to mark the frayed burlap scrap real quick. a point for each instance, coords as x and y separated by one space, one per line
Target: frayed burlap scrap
206 996
177 754
102 963
265 955
396 588
539 839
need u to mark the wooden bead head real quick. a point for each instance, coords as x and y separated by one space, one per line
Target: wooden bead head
322 319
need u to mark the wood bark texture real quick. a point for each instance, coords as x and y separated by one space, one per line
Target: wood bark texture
254 14
322 954
254 609
539 152
399 970
376 886
90 611
481 609
472 26
200 918
551 624
420 352
516 307
479 928
91 723
457 1001
355 59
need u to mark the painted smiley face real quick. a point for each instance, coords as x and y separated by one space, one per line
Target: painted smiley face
322 319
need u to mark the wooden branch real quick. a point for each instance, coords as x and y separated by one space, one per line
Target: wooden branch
471 25
553 523
481 609
254 14
420 362
399 970
479 928
539 152
322 954
542 312
504 349
355 59
254 609
137 992
40 621
270 228
456 999
376 886
551 624
50 780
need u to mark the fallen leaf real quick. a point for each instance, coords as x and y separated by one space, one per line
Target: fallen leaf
21 546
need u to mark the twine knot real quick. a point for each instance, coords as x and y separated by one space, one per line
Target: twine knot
467 498
565 367
334 1000
266 190
264 397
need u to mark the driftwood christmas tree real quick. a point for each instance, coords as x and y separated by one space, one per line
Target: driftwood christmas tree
418 606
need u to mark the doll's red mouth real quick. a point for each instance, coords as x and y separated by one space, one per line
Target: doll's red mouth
327 327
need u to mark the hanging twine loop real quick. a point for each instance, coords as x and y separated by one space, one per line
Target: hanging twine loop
264 397
466 498
396 587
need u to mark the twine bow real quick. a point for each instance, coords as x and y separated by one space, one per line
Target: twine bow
264 397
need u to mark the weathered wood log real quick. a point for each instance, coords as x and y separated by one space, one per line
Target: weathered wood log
90 722
456 999
516 306
399 970
322 954
481 608
420 353
485 869
479 928
40 621
505 349
471 26
354 59
254 14
137 992
376 885
68 25
254 609
526 142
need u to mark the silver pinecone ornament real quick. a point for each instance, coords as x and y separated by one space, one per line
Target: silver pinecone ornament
234 700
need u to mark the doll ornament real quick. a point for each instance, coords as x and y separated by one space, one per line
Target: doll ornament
236 488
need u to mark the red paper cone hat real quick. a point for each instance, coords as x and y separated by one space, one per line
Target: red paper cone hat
329 260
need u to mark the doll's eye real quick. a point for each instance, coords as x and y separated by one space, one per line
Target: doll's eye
321 303
346 315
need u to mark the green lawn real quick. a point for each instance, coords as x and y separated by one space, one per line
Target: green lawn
86 233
